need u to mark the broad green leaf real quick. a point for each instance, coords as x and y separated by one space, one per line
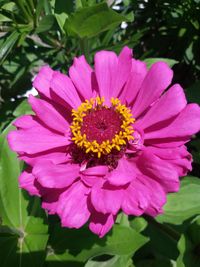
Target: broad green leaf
61 18
47 7
189 246
7 45
45 24
64 259
90 21
4 18
163 239
24 242
9 6
151 61
138 223
184 204
62 10
116 261
83 245
78 4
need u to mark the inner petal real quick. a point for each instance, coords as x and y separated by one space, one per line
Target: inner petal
101 125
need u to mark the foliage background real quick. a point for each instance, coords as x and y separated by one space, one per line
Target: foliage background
38 32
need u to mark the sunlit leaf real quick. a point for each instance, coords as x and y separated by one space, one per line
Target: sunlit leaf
7 45
90 21
82 245
116 261
189 246
151 61
184 204
25 233
45 24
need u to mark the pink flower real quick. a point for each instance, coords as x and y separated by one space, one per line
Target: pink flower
105 139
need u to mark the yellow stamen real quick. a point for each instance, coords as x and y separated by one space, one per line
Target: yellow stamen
120 139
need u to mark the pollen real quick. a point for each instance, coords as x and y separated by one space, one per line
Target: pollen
99 129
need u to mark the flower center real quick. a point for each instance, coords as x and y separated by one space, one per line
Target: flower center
101 125
100 129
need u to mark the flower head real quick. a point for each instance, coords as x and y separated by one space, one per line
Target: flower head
105 140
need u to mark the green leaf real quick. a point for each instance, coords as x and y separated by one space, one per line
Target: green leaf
138 223
163 239
184 204
7 45
9 6
23 240
151 61
189 246
61 18
22 109
4 18
45 24
116 261
62 10
82 245
90 21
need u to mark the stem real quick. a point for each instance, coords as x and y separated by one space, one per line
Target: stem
165 228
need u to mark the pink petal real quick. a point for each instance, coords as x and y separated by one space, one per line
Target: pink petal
105 70
169 105
185 124
123 69
72 207
112 72
137 198
100 224
35 140
50 199
81 75
57 156
133 84
27 182
156 81
63 88
92 175
167 142
170 153
49 115
42 81
106 198
178 157
25 122
123 174
55 176
158 196
159 170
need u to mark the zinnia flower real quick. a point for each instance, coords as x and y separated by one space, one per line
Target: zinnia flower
105 140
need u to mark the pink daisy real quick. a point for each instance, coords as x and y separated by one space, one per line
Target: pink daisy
105 140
